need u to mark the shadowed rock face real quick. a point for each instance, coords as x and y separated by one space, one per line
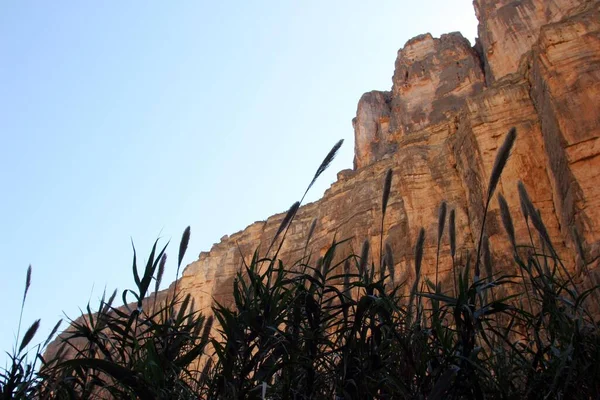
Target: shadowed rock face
564 74
537 68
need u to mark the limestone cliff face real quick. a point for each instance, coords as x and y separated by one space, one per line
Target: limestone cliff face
536 67
564 77
509 28
371 126
431 81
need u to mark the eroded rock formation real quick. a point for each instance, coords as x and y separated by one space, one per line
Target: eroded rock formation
536 67
432 79
509 28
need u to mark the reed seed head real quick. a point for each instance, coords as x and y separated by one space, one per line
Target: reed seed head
328 159
441 220
501 159
207 328
389 255
29 335
27 283
419 252
452 232
418 259
533 213
286 220
538 223
52 333
364 258
185 239
382 271
523 200
507 220
318 268
387 186
311 231
161 271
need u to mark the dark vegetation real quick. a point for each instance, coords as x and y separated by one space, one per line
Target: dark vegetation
339 329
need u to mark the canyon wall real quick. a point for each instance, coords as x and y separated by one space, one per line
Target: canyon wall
536 67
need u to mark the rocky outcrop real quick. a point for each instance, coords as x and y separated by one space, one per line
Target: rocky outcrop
371 127
431 81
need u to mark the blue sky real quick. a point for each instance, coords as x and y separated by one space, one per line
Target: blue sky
123 120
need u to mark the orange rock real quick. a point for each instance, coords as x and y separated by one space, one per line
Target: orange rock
509 28
439 129
537 68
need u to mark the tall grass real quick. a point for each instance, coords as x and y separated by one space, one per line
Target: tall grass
333 328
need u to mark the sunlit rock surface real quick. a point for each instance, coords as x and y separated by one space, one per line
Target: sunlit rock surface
536 67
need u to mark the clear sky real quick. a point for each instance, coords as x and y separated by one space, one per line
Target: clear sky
131 119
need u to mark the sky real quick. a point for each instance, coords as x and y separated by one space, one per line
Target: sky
131 120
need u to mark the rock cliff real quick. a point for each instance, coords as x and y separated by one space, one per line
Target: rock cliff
535 66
